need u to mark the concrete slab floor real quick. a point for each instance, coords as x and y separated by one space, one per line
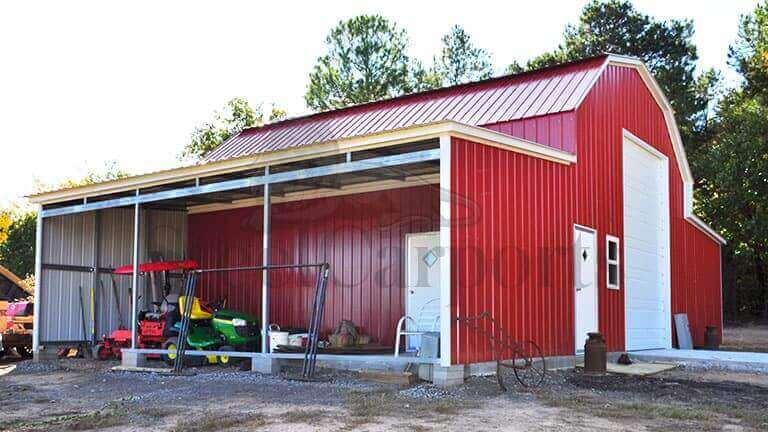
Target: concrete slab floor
722 359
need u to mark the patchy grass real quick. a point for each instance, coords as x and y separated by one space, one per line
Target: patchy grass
209 422
369 405
754 418
308 416
101 419
154 412
413 427
366 407
634 409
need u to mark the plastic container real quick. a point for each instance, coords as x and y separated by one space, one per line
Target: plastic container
276 337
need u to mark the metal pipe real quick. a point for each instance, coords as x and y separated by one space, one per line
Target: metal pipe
261 267
95 294
38 281
135 276
265 272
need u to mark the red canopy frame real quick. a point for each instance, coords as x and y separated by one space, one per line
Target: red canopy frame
158 267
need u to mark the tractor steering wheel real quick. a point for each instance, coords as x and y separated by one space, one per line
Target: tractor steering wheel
213 306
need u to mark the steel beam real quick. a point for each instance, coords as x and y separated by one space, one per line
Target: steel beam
283 177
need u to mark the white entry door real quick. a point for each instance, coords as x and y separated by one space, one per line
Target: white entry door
646 247
585 283
422 295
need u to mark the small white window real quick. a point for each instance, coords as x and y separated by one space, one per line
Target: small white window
612 261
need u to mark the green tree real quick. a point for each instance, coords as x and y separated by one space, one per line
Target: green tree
111 171
17 252
733 171
734 196
366 60
666 47
460 61
236 115
5 224
749 55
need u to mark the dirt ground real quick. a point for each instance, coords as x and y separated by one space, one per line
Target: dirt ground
87 395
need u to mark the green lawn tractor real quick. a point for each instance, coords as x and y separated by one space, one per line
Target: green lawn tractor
213 328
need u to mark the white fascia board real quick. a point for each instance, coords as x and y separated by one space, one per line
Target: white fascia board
384 139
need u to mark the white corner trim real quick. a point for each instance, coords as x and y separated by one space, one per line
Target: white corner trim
38 282
446 320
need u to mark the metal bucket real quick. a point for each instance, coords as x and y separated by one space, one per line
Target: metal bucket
276 337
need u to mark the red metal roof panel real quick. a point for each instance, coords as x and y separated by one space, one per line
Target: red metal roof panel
527 95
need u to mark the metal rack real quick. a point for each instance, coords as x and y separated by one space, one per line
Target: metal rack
316 319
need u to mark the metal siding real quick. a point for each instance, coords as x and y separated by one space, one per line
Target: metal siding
115 250
67 240
362 236
619 100
513 218
508 257
554 130
523 96
71 239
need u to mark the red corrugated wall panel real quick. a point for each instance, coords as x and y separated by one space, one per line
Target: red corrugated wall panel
514 216
510 252
362 236
619 100
554 130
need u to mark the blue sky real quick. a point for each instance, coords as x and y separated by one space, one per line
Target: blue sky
83 83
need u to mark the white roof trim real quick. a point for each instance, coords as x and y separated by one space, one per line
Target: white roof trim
382 139
674 134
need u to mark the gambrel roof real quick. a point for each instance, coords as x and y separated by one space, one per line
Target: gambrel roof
546 91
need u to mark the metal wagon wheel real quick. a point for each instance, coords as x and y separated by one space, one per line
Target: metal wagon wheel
530 366
527 365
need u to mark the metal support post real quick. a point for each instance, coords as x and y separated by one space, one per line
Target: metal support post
265 272
135 277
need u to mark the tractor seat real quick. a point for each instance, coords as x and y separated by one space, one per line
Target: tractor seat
197 312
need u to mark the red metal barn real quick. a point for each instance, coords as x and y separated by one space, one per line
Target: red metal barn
557 200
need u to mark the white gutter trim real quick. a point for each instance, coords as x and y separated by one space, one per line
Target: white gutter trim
708 230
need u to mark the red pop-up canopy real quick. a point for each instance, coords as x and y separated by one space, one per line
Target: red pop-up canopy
158 266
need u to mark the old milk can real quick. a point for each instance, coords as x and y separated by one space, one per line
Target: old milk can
595 354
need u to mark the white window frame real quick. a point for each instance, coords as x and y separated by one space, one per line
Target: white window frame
609 262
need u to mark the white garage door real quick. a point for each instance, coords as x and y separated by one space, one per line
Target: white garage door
646 246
